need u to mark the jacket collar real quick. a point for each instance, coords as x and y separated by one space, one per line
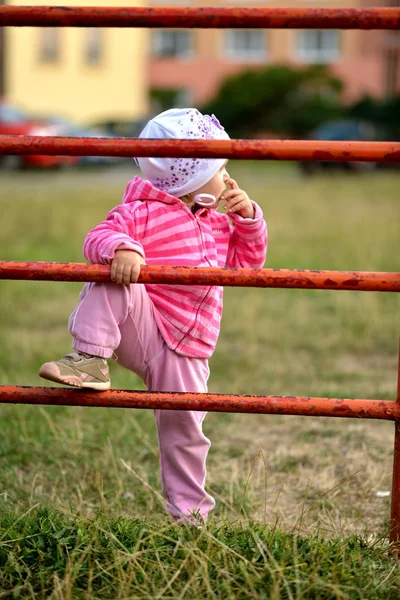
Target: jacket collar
141 189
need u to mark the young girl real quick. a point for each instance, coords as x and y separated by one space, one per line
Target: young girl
165 333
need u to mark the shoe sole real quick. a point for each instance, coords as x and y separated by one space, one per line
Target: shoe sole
51 372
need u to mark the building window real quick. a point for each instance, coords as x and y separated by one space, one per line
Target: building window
49 44
319 46
93 50
245 44
166 42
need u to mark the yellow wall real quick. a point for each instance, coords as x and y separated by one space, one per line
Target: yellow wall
116 88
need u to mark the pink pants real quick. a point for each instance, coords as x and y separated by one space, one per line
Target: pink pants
118 321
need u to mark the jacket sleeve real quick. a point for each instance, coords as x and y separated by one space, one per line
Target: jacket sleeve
116 232
248 241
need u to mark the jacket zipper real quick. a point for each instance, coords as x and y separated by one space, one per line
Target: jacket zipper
206 294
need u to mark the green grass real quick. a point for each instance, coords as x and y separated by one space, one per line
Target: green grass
81 514
130 558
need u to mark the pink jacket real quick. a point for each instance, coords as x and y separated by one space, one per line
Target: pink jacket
165 232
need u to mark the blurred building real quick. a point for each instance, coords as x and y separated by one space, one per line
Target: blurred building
93 74
87 74
187 66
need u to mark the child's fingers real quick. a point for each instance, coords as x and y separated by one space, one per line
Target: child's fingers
135 272
119 278
230 202
113 270
232 183
121 273
239 205
126 274
230 194
117 269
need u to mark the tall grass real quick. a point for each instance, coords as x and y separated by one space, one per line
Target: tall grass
79 488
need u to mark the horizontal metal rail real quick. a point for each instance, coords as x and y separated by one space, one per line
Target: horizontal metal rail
365 281
240 149
206 18
282 405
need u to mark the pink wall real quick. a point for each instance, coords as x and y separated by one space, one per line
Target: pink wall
203 76
361 77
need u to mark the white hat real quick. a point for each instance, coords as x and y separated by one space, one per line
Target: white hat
181 176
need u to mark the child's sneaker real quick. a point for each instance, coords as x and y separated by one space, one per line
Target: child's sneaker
80 370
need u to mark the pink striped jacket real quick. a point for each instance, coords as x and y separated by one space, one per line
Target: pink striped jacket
165 232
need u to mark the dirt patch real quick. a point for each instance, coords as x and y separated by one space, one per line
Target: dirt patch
325 477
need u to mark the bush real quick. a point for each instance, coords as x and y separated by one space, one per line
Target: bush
277 99
382 112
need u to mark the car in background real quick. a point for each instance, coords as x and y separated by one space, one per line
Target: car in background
69 128
122 127
351 131
17 122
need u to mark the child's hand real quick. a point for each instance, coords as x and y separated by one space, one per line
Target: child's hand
125 266
237 201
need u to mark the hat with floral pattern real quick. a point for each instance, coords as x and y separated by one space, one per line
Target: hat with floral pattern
181 176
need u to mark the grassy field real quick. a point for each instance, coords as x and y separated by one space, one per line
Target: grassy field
298 511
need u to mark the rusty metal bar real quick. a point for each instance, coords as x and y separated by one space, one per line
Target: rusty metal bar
395 505
207 17
282 405
366 281
240 149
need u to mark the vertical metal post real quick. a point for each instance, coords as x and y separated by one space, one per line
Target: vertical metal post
395 509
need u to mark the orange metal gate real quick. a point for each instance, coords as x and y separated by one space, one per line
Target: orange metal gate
377 18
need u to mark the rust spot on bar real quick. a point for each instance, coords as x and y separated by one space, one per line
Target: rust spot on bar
342 408
207 17
325 155
351 282
261 278
304 150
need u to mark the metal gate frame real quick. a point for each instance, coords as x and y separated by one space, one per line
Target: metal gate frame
305 18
